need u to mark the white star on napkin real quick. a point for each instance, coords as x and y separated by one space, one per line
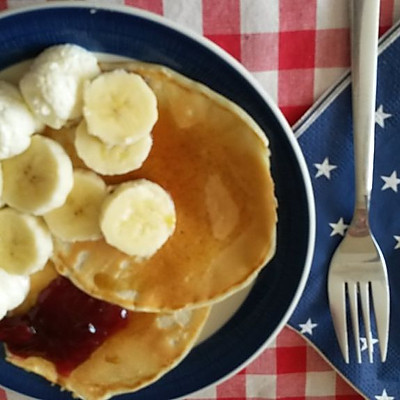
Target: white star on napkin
391 182
384 396
380 116
397 238
308 327
324 169
338 228
364 345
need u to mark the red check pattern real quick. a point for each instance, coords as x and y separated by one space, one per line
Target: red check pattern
296 49
287 369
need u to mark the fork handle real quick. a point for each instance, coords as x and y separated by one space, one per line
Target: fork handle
364 53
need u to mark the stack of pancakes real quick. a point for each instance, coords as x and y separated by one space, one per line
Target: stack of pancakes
213 159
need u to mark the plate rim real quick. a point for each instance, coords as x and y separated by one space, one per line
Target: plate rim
270 103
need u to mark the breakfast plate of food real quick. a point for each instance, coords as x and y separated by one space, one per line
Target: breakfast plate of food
157 219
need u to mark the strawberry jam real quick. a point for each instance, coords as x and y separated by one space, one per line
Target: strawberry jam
65 326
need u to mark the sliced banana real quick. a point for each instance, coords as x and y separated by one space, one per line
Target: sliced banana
138 218
17 123
13 291
78 218
110 159
39 179
119 107
25 242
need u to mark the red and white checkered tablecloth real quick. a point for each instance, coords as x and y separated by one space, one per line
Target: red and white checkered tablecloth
296 49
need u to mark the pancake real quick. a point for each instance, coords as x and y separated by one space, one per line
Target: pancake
214 160
149 346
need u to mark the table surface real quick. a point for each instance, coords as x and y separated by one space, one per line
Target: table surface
296 49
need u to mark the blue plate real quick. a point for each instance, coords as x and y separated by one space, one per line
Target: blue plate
136 34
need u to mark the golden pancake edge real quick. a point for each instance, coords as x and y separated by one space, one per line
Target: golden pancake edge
147 348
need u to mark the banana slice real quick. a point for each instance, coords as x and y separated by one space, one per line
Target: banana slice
25 242
78 218
108 159
119 107
17 123
138 218
13 291
39 179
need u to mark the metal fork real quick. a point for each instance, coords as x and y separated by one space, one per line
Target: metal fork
358 267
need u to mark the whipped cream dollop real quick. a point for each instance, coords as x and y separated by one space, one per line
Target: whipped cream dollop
53 85
17 123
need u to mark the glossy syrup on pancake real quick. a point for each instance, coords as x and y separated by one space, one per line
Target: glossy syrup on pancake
214 161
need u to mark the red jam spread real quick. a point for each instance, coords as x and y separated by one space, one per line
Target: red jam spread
65 326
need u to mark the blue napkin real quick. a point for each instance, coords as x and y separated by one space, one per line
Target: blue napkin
325 136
